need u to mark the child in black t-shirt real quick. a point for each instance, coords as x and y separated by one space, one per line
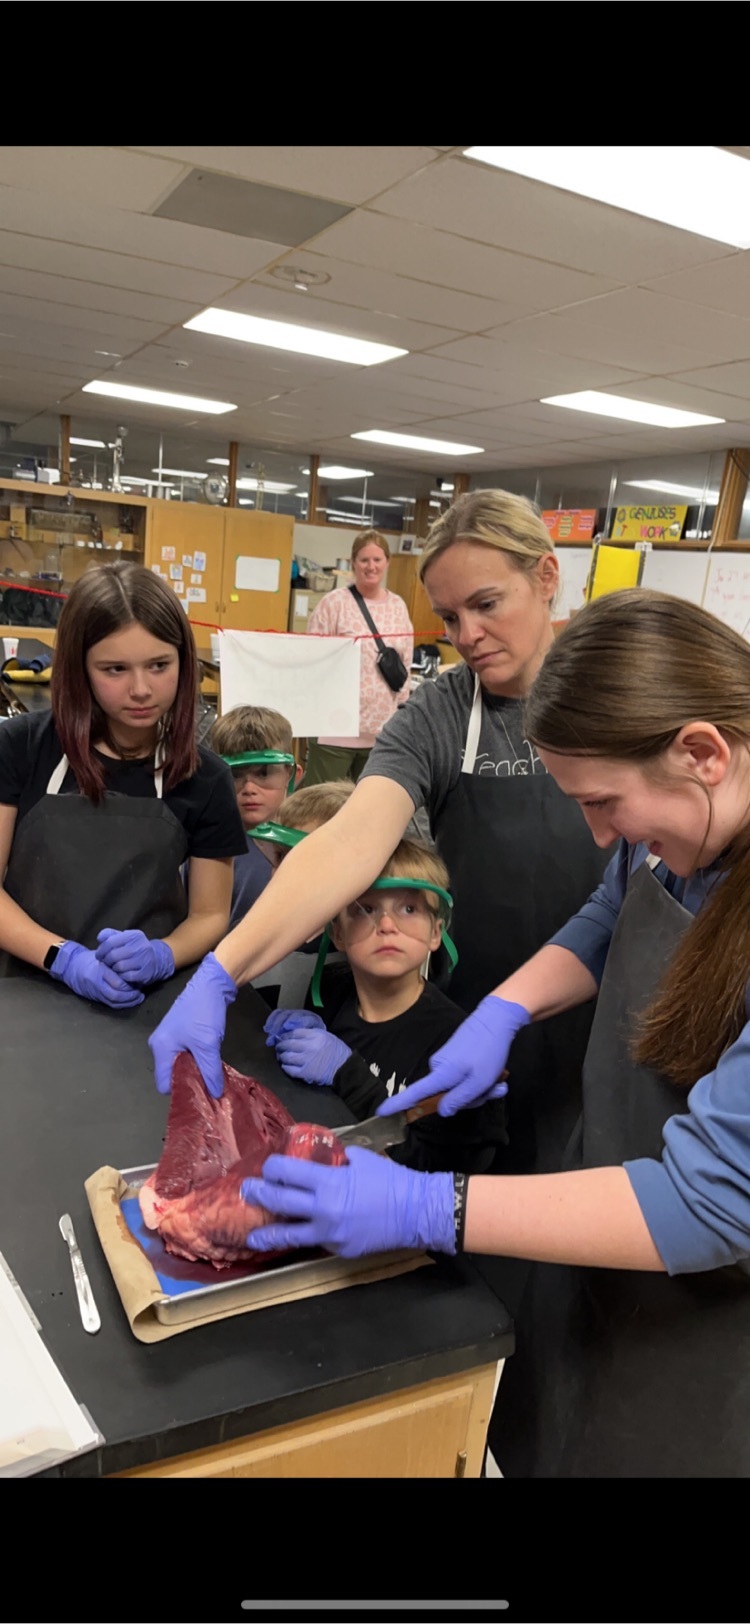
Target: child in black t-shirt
382 1020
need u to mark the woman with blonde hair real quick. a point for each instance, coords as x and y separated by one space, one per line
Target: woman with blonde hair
634 1347
519 854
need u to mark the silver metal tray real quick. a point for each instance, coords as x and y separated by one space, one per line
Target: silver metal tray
272 1285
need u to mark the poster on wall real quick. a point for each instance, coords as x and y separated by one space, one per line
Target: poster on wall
663 522
570 524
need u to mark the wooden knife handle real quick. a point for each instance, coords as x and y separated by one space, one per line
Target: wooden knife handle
429 1106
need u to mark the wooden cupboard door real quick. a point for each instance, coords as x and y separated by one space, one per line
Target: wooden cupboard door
188 528
438 1429
249 537
403 578
427 625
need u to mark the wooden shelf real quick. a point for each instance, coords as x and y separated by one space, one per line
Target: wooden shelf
35 489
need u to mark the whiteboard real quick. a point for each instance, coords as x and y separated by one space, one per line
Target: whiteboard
728 590
682 574
575 563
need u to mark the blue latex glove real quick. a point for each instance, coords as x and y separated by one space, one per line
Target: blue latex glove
82 971
135 957
195 1022
369 1205
467 1066
311 1053
283 1021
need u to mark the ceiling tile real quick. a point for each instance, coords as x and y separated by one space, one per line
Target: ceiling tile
348 174
91 174
445 260
673 392
585 333
509 211
720 287
650 320
111 270
731 379
309 311
360 285
93 296
71 321
521 377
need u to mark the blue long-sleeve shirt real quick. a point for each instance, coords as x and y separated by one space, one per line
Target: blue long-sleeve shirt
696 1199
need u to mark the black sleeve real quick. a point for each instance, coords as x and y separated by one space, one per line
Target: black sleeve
218 831
14 759
359 1088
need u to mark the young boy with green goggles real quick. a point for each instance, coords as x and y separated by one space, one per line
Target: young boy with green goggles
256 744
382 1019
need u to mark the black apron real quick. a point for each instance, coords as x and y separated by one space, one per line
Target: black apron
521 861
77 868
621 1373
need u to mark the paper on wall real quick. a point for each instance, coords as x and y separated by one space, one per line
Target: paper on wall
196 594
179 587
187 559
167 554
196 578
199 561
175 572
256 574
302 605
314 681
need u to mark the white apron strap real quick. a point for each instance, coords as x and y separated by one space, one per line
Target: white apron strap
474 729
56 781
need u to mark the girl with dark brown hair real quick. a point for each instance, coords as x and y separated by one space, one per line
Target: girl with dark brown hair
633 1342
103 799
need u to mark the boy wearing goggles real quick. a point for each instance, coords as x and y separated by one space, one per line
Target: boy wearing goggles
256 744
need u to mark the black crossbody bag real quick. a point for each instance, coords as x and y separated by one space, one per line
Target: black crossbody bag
389 661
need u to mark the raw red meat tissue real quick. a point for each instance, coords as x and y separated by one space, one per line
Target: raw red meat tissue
193 1199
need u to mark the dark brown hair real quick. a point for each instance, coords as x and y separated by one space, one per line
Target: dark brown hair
622 679
364 540
250 727
103 601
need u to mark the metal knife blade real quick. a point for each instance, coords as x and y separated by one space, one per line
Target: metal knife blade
377 1133
88 1309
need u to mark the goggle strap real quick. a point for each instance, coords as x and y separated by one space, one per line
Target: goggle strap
277 834
260 758
325 942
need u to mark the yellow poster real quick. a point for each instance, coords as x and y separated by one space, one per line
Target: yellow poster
613 568
663 522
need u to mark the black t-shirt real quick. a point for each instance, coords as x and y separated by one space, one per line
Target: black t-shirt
389 1055
205 805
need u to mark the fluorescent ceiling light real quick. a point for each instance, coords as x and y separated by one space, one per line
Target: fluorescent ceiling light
133 479
700 189
286 335
157 397
335 471
220 462
372 501
98 443
674 490
631 411
246 501
404 498
416 442
181 473
264 485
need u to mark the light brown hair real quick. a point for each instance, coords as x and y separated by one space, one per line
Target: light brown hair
364 540
493 519
250 727
413 860
622 679
103 601
315 804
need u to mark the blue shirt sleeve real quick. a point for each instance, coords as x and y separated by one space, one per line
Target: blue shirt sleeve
696 1200
589 933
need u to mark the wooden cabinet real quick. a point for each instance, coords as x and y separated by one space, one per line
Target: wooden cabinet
50 534
404 579
224 536
437 1429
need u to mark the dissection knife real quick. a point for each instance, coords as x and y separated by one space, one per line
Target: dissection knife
86 1304
377 1133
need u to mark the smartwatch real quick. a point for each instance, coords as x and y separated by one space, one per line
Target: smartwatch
51 954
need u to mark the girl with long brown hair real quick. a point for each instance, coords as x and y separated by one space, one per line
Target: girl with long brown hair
105 797
633 1346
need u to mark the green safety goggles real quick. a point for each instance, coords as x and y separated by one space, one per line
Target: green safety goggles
391 883
260 758
277 835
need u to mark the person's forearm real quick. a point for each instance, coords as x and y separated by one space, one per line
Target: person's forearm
317 878
196 936
590 1218
20 935
554 980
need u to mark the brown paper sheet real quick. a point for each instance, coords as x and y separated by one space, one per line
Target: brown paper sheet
138 1285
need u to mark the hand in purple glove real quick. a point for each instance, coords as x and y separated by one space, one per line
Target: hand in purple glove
467 1066
195 1022
135 956
81 970
282 1021
313 1054
371 1204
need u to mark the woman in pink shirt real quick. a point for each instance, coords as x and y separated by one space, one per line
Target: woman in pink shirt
339 615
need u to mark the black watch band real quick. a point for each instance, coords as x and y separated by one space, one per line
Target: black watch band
51 954
460 1191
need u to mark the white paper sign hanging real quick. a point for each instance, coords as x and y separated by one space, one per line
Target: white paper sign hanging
314 681
256 574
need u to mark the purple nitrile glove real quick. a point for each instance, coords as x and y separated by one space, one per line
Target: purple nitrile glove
282 1021
81 970
196 1022
135 957
467 1066
313 1054
371 1204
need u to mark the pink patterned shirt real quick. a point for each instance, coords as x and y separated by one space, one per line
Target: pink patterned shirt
339 615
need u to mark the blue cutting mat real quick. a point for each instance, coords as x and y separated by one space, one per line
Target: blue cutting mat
174 1274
